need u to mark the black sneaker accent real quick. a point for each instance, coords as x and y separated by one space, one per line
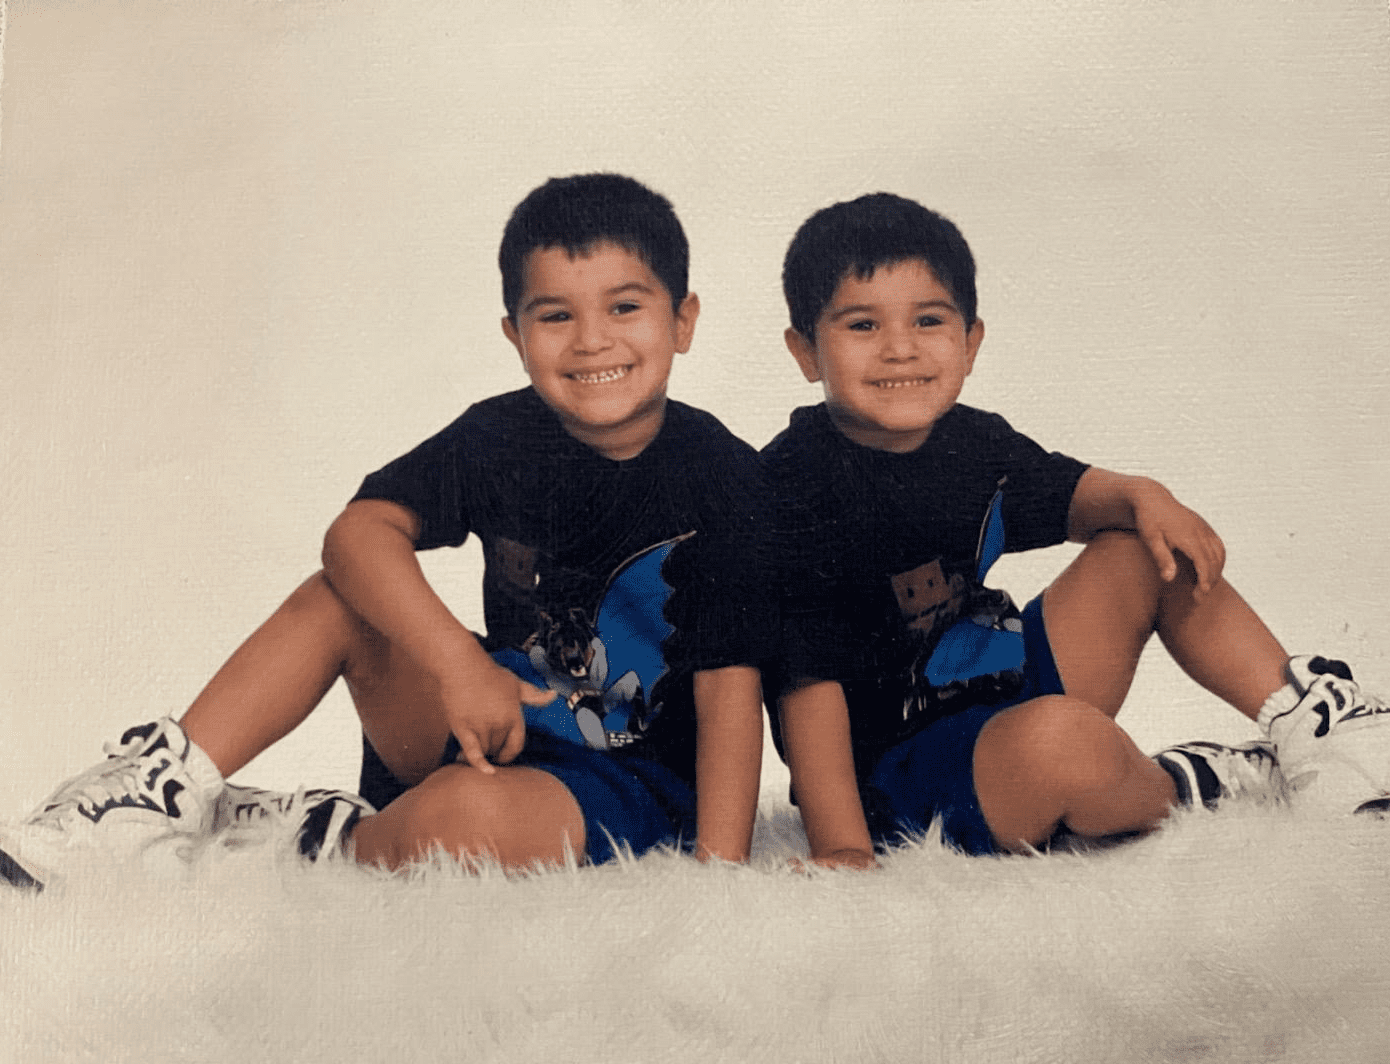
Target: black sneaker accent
1179 779
15 876
1208 783
1376 807
1322 666
316 824
144 731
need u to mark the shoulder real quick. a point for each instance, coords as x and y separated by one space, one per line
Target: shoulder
970 421
510 409
502 425
808 433
701 437
979 434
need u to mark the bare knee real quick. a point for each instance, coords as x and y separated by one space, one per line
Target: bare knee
1038 762
1070 746
517 816
1126 559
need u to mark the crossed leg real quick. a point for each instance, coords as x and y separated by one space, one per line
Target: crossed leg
519 816
1062 760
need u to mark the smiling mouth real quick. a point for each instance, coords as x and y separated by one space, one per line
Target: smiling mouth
911 382
603 376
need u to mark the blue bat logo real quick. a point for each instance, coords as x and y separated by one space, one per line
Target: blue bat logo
972 647
603 671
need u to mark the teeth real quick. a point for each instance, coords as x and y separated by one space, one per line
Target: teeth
602 377
901 384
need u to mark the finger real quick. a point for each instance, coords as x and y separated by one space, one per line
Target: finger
1201 567
536 696
1213 557
516 740
1219 561
1162 556
1207 572
473 753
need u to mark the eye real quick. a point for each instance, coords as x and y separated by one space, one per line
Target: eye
554 317
627 306
861 325
926 321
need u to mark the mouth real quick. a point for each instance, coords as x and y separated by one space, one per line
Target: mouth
903 382
601 376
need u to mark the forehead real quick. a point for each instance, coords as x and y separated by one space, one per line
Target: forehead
909 280
553 272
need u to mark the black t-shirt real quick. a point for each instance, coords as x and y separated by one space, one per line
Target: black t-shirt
877 551
558 521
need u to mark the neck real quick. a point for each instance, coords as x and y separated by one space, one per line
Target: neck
876 438
625 440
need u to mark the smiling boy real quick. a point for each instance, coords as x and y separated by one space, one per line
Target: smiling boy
908 691
614 700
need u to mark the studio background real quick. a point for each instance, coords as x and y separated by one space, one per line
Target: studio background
248 254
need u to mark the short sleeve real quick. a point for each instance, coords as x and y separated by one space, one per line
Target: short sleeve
1038 485
431 482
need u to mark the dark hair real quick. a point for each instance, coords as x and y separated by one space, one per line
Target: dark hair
578 212
861 235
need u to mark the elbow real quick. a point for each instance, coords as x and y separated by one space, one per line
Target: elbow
365 530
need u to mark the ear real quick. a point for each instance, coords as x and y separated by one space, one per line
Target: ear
973 339
686 314
509 330
804 351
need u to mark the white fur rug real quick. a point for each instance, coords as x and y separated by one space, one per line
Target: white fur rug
1248 935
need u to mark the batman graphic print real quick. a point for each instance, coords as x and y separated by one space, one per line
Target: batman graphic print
883 558
604 664
610 583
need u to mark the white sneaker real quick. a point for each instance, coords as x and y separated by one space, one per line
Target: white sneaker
1334 744
317 821
154 784
1211 773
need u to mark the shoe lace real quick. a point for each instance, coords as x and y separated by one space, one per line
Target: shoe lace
1351 695
118 782
115 781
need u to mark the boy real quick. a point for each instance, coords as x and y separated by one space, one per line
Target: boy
620 537
907 690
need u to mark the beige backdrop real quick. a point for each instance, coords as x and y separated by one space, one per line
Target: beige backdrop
247 254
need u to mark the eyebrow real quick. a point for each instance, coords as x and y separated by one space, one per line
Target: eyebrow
630 286
865 308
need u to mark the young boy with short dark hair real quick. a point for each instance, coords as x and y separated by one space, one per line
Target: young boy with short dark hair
615 698
908 691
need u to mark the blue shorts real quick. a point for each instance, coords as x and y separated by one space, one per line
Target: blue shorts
626 799
932 773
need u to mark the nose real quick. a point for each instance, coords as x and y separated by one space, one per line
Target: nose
592 334
897 344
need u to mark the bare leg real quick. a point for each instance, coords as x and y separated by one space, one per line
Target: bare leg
1057 761
280 674
519 816
275 679
1102 609
1062 760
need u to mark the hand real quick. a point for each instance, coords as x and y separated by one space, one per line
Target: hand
484 712
850 858
1167 526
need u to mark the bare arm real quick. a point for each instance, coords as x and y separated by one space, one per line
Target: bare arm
816 736
1105 500
369 559
728 759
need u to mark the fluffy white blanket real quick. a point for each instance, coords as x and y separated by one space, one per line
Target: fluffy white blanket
1248 935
